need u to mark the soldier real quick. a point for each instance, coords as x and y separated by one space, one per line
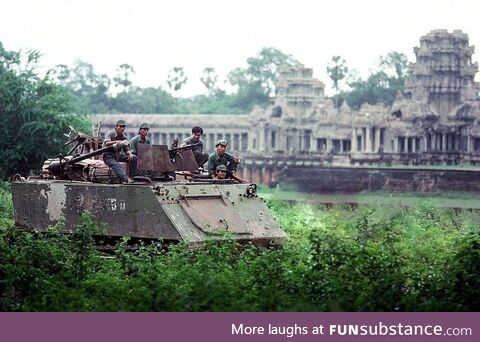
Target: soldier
141 138
200 157
123 155
222 157
220 172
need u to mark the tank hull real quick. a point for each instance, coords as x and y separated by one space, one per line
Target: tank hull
173 211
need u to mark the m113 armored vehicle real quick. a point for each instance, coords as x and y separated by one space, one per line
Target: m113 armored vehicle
185 207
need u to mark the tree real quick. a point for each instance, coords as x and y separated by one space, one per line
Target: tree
176 78
62 73
337 69
124 71
209 79
35 113
264 68
382 85
256 83
83 79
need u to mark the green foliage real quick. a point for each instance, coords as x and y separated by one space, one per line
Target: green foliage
382 85
34 112
123 76
381 257
176 78
337 70
210 79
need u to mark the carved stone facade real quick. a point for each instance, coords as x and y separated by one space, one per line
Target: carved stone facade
435 121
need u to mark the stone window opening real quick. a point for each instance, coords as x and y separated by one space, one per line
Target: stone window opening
335 146
401 144
476 144
321 144
397 114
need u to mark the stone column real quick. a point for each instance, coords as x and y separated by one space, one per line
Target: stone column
240 141
368 146
468 143
414 144
444 142
395 145
251 137
283 141
377 139
313 145
354 141
341 146
425 143
261 139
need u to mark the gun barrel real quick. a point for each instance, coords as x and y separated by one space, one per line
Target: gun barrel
57 167
187 147
74 160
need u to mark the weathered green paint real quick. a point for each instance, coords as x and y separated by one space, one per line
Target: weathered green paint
149 211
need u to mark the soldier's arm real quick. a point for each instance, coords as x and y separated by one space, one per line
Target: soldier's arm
108 140
211 165
233 162
133 145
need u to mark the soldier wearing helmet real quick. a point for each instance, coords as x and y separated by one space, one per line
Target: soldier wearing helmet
220 157
200 157
220 172
123 155
140 138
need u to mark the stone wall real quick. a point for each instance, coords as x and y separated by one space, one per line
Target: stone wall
351 180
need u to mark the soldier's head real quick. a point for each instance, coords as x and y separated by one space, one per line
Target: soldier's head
197 133
221 171
221 146
120 126
143 130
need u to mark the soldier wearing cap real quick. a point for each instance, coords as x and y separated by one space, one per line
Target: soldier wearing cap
141 138
220 172
122 155
200 157
220 157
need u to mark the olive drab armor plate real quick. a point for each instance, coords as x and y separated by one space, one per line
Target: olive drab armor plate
172 211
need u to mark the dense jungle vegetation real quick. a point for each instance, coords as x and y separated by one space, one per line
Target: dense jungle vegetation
381 257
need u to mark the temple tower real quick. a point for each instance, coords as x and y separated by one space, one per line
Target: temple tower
443 75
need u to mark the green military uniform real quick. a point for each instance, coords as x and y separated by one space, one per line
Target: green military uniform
112 158
137 140
200 157
189 141
113 136
226 159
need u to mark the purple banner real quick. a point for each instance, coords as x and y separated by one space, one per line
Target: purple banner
118 327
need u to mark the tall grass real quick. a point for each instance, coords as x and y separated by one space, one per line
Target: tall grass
372 258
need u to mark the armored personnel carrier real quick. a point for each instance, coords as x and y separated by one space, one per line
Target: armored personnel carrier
171 201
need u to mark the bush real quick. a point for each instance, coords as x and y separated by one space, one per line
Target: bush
371 258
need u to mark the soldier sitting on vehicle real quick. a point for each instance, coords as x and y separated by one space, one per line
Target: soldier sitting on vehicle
140 138
220 172
220 157
123 155
200 157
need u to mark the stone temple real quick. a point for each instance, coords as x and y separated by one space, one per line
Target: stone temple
434 122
